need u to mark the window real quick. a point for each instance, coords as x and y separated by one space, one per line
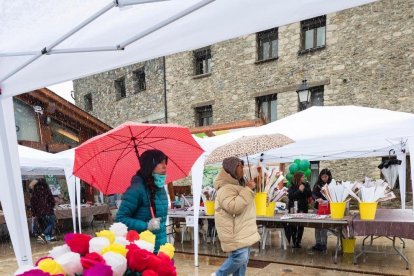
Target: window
139 80
267 107
64 135
27 128
120 88
313 33
267 44
316 96
87 99
204 115
202 59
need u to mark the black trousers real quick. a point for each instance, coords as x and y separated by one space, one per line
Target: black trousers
294 233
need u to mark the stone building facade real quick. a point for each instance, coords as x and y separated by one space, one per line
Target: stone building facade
142 99
366 59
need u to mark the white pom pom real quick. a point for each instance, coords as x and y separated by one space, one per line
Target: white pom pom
122 241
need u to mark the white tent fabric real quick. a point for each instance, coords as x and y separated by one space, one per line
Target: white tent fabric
37 162
28 27
45 42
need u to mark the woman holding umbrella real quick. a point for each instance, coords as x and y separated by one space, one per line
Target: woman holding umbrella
144 205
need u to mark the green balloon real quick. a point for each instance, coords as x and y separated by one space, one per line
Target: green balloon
297 161
308 173
304 165
289 176
293 168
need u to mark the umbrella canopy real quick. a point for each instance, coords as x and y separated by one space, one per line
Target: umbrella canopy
248 145
109 161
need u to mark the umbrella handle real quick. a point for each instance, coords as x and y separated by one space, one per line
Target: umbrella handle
152 212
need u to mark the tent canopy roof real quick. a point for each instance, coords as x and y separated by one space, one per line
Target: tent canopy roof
30 26
331 132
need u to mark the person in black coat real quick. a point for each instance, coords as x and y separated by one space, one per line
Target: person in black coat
321 235
299 191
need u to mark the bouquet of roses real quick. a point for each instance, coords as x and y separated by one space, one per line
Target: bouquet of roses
116 251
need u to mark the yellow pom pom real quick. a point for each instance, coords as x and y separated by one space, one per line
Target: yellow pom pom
110 235
116 248
50 266
168 249
147 236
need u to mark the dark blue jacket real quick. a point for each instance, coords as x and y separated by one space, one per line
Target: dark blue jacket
135 212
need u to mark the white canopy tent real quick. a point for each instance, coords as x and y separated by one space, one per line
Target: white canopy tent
328 133
47 42
37 162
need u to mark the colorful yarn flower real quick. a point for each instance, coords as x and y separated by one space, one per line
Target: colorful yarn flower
107 234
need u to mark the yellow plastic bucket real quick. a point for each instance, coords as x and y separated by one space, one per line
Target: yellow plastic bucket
367 210
209 207
337 209
348 245
270 209
260 202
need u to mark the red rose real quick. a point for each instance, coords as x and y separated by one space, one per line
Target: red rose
92 259
153 262
132 235
79 243
149 272
166 266
137 259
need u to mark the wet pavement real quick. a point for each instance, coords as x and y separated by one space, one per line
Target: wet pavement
271 261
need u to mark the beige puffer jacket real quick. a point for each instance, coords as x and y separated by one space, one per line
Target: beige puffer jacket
235 213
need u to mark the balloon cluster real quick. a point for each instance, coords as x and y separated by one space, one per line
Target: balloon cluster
298 166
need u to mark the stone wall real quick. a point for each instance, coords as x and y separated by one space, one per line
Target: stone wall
143 106
368 61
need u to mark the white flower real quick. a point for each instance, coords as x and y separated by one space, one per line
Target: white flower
117 262
71 263
119 229
145 245
59 251
97 244
122 241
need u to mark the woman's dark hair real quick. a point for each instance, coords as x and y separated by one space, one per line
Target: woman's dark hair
296 178
324 172
148 161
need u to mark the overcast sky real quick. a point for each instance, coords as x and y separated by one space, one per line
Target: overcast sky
63 89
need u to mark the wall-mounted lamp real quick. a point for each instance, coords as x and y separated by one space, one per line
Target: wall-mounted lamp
304 94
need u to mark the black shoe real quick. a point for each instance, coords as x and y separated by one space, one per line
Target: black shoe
296 245
316 247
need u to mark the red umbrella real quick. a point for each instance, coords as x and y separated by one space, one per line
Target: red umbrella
109 161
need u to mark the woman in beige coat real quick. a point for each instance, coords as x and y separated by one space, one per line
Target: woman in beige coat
235 217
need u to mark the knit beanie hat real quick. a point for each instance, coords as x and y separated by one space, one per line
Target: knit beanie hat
230 165
149 160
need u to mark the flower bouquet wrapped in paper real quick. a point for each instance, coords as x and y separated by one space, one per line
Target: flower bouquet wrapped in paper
112 252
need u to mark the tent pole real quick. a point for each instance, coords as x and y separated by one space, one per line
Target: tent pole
197 181
124 3
410 143
402 177
60 40
11 195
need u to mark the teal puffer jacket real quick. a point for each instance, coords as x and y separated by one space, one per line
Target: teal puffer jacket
135 212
